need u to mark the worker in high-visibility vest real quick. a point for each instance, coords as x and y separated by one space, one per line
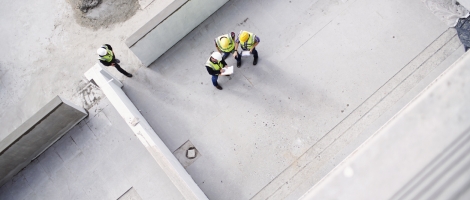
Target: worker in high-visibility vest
108 58
248 42
215 66
225 44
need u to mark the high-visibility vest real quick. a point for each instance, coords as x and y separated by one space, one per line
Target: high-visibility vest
109 56
231 44
215 67
249 43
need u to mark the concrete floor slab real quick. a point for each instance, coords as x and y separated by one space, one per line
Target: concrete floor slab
318 62
321 64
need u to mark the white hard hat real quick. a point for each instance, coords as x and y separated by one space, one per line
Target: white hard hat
101 51
217 56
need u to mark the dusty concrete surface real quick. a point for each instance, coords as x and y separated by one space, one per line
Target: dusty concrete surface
45 54
327 71
100 158
96 14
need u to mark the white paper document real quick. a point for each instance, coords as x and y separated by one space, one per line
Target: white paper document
228 71
246 53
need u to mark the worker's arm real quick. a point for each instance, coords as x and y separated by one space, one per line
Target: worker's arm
217 47
106 63
257 40
224 64
254 45
212 72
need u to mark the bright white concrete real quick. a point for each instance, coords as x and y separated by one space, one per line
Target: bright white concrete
418 154
142 130
178 19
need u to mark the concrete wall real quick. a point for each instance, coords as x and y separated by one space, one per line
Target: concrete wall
170 26
36 134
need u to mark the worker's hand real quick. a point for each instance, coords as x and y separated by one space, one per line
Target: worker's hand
112 64
235 54
222 70
251 50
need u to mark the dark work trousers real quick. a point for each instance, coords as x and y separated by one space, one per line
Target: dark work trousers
237 57
121 70
214 80
463 31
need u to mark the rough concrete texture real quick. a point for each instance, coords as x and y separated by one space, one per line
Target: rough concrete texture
96 14
100 158
85 5
327 71
45 54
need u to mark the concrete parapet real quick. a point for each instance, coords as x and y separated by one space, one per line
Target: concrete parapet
36 134
170 26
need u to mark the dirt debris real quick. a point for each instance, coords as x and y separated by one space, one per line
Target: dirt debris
96 14
85 5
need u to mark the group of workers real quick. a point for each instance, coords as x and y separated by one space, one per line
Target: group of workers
228 44
225 44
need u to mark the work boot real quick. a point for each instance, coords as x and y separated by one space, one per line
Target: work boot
239 64
218 87
255 61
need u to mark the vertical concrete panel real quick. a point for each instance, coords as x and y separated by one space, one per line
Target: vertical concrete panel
169 27
36 134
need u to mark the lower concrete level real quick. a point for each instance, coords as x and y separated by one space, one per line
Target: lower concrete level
100 158
330 73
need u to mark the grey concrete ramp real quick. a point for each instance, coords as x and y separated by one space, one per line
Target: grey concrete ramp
36 134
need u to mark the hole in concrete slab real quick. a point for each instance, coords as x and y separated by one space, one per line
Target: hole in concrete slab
191 153
187 154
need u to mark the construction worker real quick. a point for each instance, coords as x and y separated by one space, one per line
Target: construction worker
108 58
248 41
225 44
215 66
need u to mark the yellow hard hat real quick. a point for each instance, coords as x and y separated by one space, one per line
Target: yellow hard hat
244 36
224 43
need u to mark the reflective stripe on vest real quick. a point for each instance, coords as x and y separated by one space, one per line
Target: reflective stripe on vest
215 67
249 43
109 56
231 44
